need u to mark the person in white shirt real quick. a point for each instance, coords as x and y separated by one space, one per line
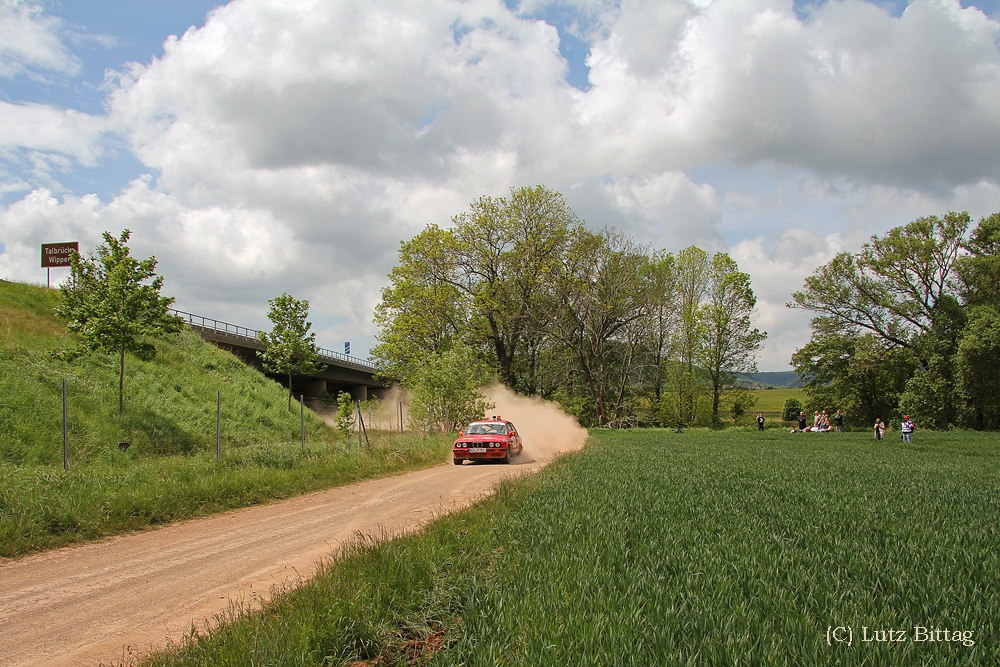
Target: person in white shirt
907 429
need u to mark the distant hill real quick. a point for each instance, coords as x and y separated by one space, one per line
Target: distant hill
786 379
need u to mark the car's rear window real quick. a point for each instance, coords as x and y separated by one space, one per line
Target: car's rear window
486 429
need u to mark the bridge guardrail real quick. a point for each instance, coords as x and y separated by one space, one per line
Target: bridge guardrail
218 326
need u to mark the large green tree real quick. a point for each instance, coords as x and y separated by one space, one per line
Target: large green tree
602 298
422 310
731 342
978 354
914 290
290 348
614 331
113 302
485 280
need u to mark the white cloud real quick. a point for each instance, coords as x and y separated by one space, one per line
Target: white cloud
295 144
43 128
32 41
852 91
669 210
774 275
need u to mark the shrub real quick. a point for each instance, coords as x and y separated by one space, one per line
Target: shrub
790 411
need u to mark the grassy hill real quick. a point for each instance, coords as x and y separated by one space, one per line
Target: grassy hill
170 471
171 401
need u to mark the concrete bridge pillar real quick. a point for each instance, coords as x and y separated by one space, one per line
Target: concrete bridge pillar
359 393
314 388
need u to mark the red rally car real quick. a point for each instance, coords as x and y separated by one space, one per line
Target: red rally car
493 439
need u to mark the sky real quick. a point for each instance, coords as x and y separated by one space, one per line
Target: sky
268 146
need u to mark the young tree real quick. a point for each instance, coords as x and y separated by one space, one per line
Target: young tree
113 308
731 342
692 279
291 348
445 390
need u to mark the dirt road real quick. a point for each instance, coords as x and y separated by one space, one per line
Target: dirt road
108 600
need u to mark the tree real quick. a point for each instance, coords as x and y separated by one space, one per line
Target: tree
979 268
422 311
692 277
860 374
608 328
601 299
445 390
506 252
663 293
113 308
976 365
486 279
290 347
731 342
791 409
894 286
903 289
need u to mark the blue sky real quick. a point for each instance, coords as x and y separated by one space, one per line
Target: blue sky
295 164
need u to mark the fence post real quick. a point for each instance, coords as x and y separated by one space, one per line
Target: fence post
302 420
218 427
65 429
362 429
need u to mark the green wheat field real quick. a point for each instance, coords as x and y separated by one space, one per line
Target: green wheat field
658 548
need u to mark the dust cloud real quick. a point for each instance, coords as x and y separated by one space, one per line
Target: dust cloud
386 415
545 429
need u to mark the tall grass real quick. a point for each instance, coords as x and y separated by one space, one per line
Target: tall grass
42 507
657 548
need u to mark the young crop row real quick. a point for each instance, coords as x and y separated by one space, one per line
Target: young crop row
658 548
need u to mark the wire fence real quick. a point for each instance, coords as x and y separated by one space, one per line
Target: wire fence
376 416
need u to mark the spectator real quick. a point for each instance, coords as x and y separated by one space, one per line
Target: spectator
907 428
838 420
760 421
802 422
879 429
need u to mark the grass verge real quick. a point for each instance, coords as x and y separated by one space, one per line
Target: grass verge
42 507
657 548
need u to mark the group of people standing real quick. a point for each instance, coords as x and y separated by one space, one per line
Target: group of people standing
822 424
906 428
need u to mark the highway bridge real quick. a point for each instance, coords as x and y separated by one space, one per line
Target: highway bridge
339 372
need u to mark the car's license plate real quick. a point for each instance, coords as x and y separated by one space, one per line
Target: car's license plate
477 450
